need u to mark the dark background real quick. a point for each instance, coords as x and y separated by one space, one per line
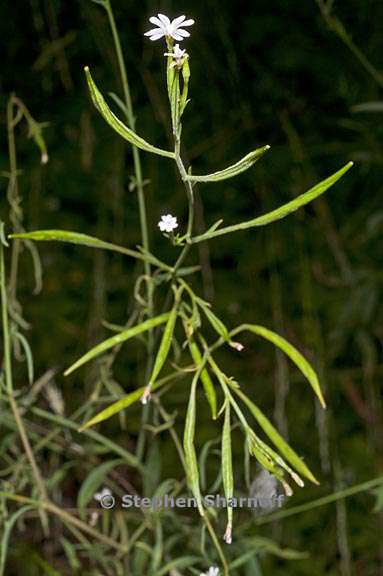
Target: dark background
262 73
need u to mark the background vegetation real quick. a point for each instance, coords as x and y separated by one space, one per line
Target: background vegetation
294 75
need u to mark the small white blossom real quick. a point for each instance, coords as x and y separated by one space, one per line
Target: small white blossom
146 396
213 571
170 29
168 223
237 346
100 495
228 537
177 55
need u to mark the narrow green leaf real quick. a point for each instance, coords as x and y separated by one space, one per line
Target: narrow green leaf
71 553
216 323
227 471
117 339
28 355
96 438
233 170
158 549
258 543
290 351
179 563
215 225
114 408
205 378
7 529
280 212
85 240
116 124
35 559
258 449
94 480
124 402
286 450
190 453
175 100
166 342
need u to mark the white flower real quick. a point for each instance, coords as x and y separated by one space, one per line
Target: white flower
100 495
213 571
170 29
177 54
168 223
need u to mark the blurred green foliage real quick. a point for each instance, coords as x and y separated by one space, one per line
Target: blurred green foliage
262 73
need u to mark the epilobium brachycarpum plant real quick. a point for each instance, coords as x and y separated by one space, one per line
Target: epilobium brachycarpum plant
184 310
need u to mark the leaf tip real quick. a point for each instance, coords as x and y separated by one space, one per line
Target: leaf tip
322 402
88 424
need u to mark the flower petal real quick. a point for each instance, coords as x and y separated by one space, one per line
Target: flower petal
157 36
176 36
164 19
156 21
154 31
188 22
177 21
183 33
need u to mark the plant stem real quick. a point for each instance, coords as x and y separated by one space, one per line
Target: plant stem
130 459
217 544
205 517
142 209
346 493
4 313
136 154
66 517
190 196
13 196
181 258
337 27
9 383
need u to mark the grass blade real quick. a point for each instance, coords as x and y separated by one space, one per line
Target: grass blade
181 563
93 482
7 529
